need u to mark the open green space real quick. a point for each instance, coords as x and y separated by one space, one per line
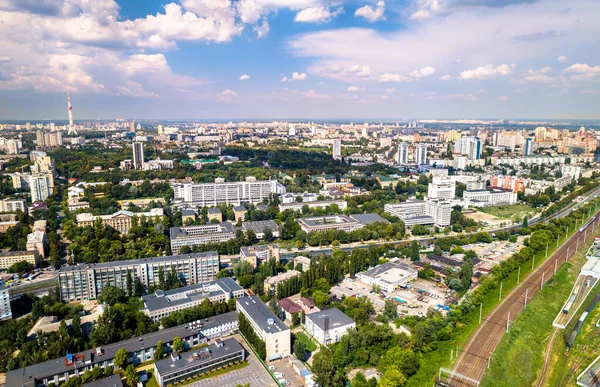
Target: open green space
308 343
514 212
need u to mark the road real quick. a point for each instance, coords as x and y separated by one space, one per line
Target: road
473 361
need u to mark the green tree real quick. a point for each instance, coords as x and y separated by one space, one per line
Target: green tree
112 295
159 351
178 344
129 283
392 378
299 349
131 376
121 357
20 267
224 273
268 234
320 298
242 268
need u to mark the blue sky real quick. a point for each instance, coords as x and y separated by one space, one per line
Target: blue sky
302 59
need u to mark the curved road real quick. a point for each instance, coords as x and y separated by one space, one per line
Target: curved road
473 361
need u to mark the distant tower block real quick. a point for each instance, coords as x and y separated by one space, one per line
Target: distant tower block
72 129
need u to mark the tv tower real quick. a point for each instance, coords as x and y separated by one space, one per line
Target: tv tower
70 111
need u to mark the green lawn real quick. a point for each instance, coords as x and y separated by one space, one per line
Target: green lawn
310 345
519 357
514 212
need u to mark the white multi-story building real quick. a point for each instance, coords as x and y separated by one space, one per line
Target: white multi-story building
85 282
40 186
402 155
328 326
13 146
267 326
337 149
441 187
12 205
211 194
421 154
468 146
5 310
297 206
163 303
528 150
405 209
138 155
483 198
200 235
440 211
413 212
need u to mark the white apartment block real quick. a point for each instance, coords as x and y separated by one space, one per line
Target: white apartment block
440 210
5 310
236 193
40 185
200 235
483 198
86 282
12 205
267 326
413 212
405 209
328 326
441 188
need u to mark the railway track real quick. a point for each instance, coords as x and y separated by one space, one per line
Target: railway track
475 357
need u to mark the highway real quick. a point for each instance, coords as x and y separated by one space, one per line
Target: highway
473 361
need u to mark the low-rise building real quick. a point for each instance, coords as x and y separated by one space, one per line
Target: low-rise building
36 242
12 205
289 308
199 235
8 258
339 222
259 253
240 213
75 203
164 302
304 261
259 227
328 326
180 367
321 204
485 198
214 214
142 203
272 282
388 276
5 225
120 220
266 325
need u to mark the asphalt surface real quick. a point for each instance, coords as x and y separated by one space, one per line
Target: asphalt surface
473 361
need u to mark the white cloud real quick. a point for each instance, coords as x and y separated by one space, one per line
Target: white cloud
424 72
539 76
355 89
446 77
427 8
390 89
4 59
421 14
562 58
370 13
296 76
244 77
317 14
582 71
226 95
389 77
361 71
385 97
488 71
503 98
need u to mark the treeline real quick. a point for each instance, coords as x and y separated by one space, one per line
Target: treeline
252 338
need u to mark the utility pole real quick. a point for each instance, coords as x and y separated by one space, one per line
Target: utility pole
567 256
519 275
542 283
480 311
555 263
507 322
526 296
533 263
546 249
500 295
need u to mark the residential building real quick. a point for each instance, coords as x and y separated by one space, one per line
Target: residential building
272 282
495 197
164 302
214 214
75 203
180 367
254 255
85 282
236 193
140 350
40 186
289 308
240 213
305 197
402 155
120 220
468 146
12 205
5 310
388 276
36 242
138 155
337 149
6 224
260 226
304 261
266 326
515 184
440 211
441 188
48 139
8 258
528 150
421 154
328 326
200 235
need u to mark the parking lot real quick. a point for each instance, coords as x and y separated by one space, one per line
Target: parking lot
289 374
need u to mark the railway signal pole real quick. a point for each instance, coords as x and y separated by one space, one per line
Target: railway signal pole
567 256
507 322
542 283
526 296
518 275
546 249
555 263
480 311
500 294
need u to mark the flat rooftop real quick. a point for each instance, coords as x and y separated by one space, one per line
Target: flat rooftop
390 272
260 226
337 318
207 254
260 313
205 229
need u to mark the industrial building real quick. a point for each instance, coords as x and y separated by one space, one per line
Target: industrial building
266 325
388 276
164 302
200 235
85 282
328 326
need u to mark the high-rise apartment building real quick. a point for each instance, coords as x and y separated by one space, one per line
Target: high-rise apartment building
441 187
337 149
421 154
138 155
237 192
468 146
48 140
85 282
528 146
40 186
402 155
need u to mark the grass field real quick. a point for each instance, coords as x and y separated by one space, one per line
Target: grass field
310 345
519 357
514 212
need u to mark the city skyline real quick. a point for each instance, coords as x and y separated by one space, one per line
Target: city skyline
308 59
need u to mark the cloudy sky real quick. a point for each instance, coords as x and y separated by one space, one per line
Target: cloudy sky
300 58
